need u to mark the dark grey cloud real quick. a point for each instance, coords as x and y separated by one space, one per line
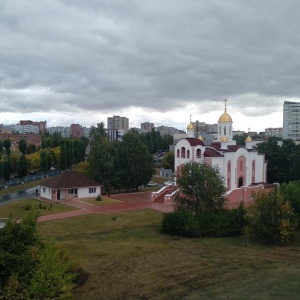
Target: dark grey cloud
104 56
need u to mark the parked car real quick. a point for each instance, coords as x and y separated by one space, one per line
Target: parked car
170 182
151 184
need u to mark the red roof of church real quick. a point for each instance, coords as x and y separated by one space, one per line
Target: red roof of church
210 152
69 179
195 142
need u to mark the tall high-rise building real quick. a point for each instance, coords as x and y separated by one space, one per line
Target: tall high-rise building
76 130
117 123
291 120
146 126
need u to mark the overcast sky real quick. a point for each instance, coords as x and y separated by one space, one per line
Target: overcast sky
75 61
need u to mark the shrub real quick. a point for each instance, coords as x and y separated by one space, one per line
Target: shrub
98 198
40 206
181 222
28 207
271 219
207 224
291 192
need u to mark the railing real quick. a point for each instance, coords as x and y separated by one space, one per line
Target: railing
29 178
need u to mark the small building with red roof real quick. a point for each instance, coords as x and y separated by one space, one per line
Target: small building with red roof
69 185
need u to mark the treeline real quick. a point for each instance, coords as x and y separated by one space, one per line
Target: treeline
123 164
56 151
283 161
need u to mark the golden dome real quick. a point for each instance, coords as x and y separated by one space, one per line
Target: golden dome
224 139
190 126
225 117
248 139
200 138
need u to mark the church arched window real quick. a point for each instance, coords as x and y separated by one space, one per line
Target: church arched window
224 130
188 154
220 130
178 153
182 152
241 165
229 130
198 153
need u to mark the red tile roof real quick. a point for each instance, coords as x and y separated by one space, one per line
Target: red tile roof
195 142
70 179
210 152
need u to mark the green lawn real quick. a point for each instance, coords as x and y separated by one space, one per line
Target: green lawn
104 201
20 208
127 257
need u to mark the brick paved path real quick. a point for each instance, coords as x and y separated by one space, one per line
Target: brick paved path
131 201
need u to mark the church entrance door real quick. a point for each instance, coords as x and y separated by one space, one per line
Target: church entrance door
241 183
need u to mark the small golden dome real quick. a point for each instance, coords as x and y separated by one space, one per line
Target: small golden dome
225 117
224 139
200 138
190 126
248 139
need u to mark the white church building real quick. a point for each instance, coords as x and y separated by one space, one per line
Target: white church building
241 166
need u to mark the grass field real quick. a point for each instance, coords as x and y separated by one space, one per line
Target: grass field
104 201
127 257
18 208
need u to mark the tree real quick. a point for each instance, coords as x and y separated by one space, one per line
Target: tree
22 167
52 278
202 188
168 160
240 139
7 168
271 219
22 146
63 156
101 158
7 145
18 242
138 165
291 192
44 160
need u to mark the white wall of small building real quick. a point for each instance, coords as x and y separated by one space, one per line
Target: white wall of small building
84 192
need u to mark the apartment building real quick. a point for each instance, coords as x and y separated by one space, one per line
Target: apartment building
291 120
147 126
273 132
41 124
117 123
64 131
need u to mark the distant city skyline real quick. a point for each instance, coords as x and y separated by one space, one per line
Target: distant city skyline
151 61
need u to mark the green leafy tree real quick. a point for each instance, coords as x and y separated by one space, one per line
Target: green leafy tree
7 145
18 245
291 192
168 160
52 278
202 188
240 139
31 149
101 158
138 165
22 146
271 219
7 169
63 156
22 167
44 160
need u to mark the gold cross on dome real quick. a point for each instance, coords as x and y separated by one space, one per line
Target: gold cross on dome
225 100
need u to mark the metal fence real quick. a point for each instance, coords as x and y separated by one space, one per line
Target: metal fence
29 178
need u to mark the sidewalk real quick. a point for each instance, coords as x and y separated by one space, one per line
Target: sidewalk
131 201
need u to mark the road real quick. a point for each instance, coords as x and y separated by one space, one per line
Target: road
28 193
